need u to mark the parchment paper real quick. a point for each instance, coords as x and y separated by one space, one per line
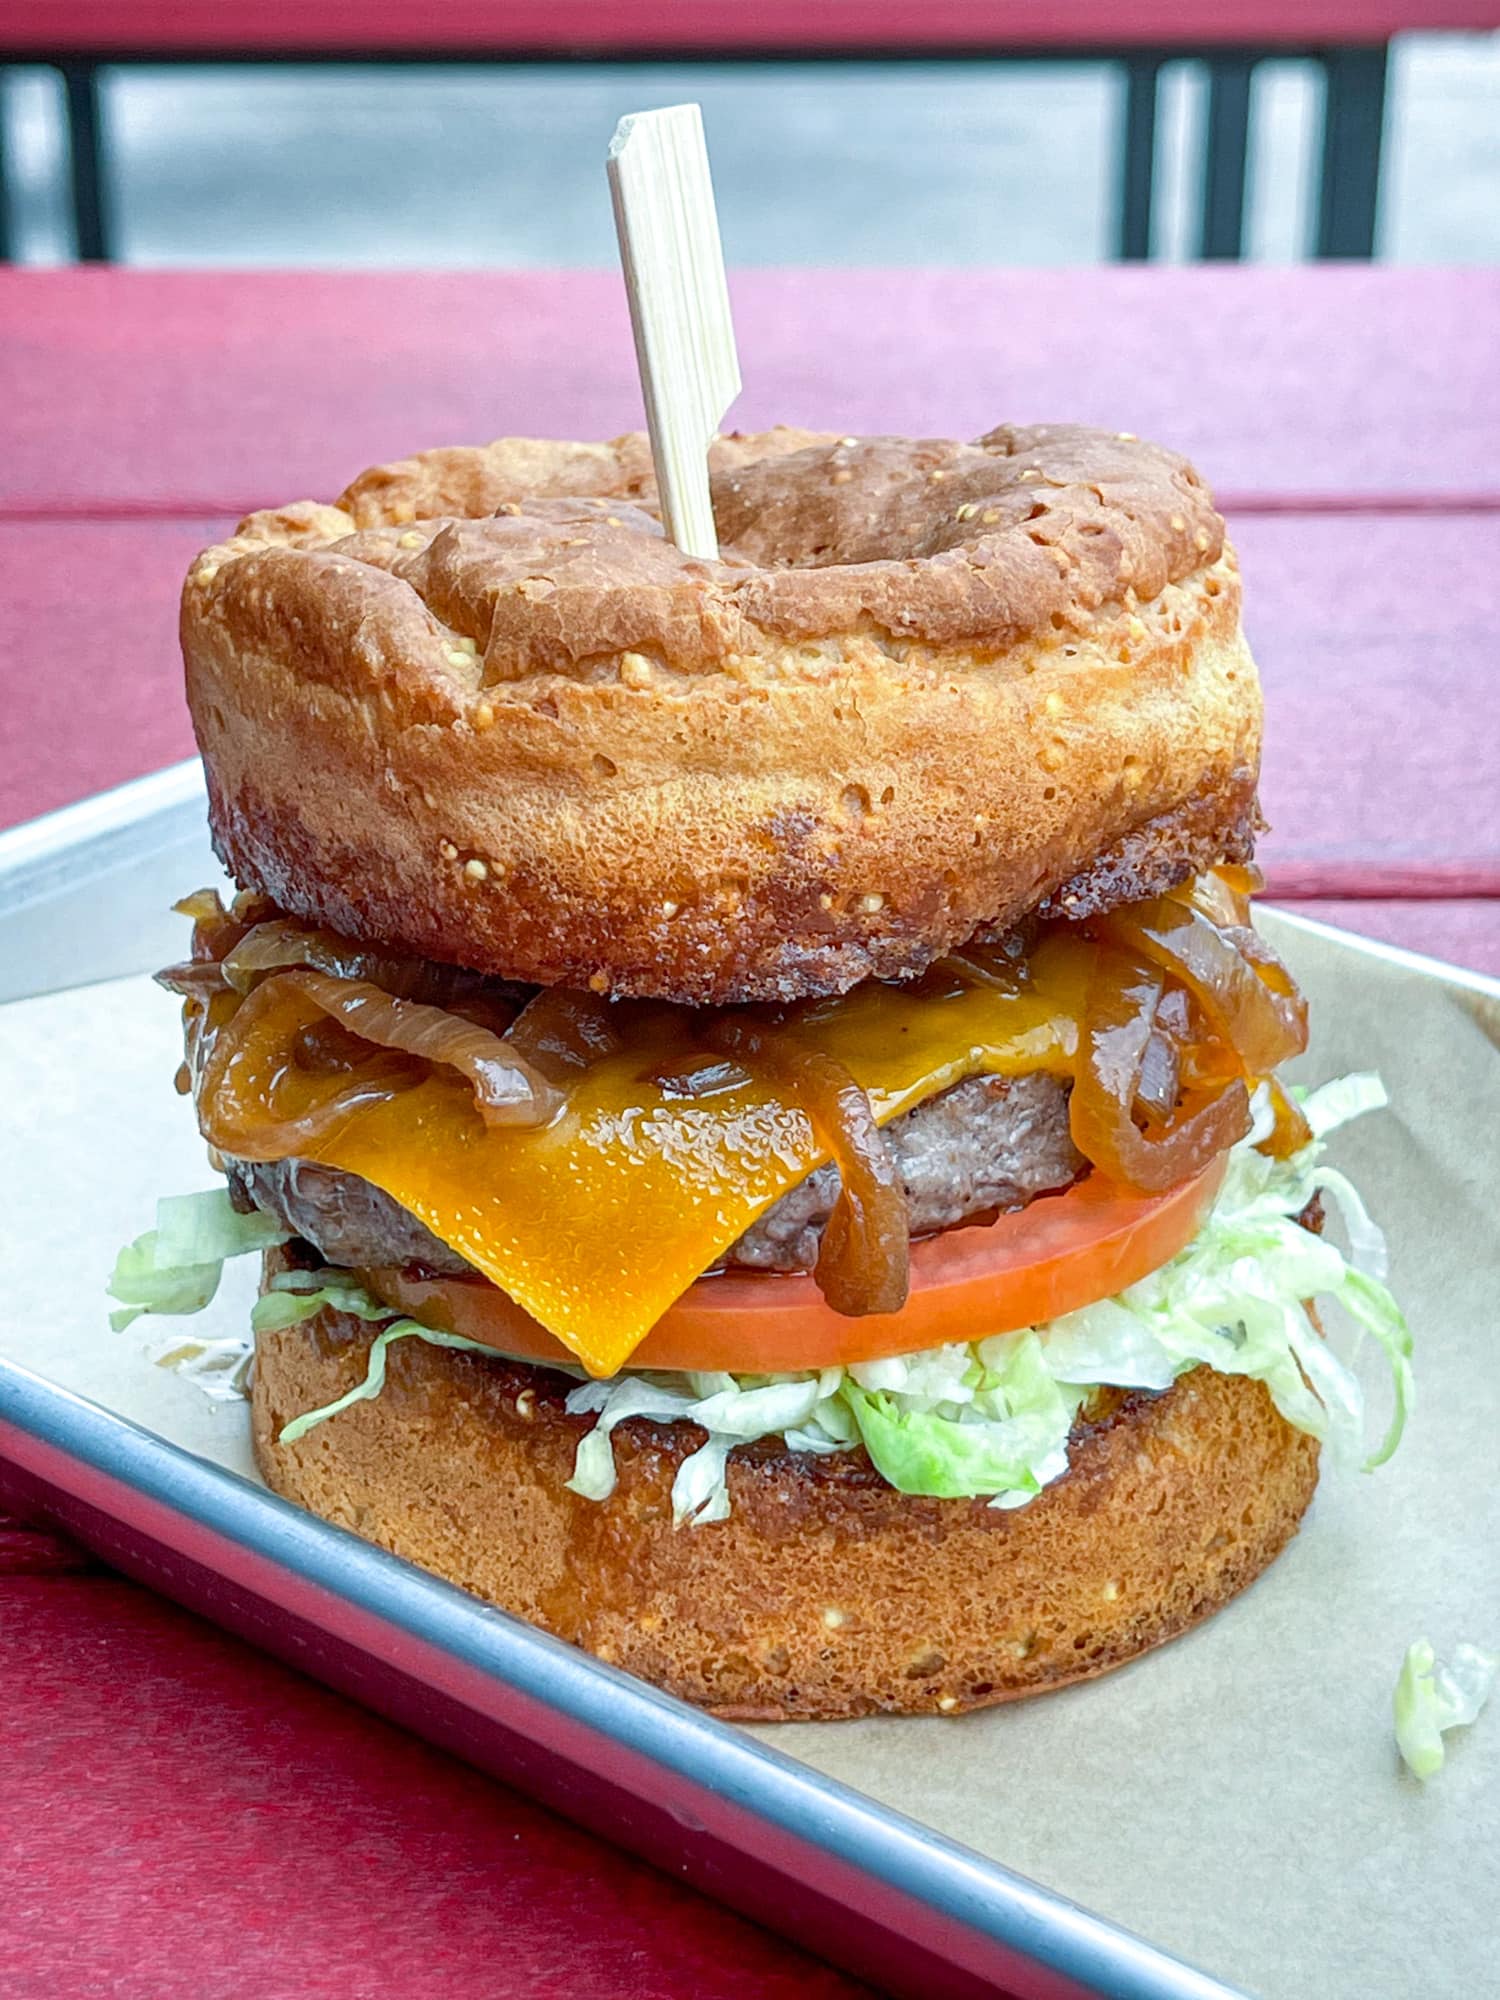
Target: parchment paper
1235 1797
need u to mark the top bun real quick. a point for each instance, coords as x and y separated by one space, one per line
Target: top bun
480 710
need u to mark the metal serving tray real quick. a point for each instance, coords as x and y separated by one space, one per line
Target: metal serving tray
83 895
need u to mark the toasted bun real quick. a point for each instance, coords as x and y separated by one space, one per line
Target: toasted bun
825 1593
480 710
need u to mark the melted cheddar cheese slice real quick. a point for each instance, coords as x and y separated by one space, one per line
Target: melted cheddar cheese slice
599 1221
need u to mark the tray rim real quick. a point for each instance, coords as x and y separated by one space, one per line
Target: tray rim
36 853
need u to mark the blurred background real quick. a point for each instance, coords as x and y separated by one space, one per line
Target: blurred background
856 161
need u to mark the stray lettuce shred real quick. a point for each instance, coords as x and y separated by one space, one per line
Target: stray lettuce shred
991 1418
174 1269
1432 1697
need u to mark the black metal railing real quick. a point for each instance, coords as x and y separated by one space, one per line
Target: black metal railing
1348 183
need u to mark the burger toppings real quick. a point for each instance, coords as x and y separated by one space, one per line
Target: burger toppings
275 944
612 1188
986 1145
1222 1277
593 1159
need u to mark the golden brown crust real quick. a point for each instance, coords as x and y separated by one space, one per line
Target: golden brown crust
825 1593
481 709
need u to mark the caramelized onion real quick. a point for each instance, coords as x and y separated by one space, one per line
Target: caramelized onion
1291 1132
507 1088
695 1075
485 1010
1160 1081
215 929
194 978
1241 878
981 968
204 906
255 1105
1223 894
1162 1066
559 1032
1119 1021
203 1016
1271 971
328 1048
280 943
864 1258
410 1007
1245 991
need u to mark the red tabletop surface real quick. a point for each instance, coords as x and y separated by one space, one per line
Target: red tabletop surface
198 392
184 1818
180 1815
707 25
1374 636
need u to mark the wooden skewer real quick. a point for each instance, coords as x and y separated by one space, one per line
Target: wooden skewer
679 306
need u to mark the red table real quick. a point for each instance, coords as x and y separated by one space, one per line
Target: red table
537 27
179 1815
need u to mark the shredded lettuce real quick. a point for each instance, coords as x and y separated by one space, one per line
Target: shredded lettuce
1000 1426
1431 1698
374 1379
1341 1100
732 1409
175 1268
298 1295
989 1418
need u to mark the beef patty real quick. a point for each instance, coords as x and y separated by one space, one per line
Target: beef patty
991 1142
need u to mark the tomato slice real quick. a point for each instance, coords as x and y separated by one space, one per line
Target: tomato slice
1061 1252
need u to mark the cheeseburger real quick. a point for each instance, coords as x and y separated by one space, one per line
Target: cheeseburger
754 1081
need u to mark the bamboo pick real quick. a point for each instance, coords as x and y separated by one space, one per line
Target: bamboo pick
679 306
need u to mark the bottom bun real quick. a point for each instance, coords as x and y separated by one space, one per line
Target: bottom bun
825 1593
